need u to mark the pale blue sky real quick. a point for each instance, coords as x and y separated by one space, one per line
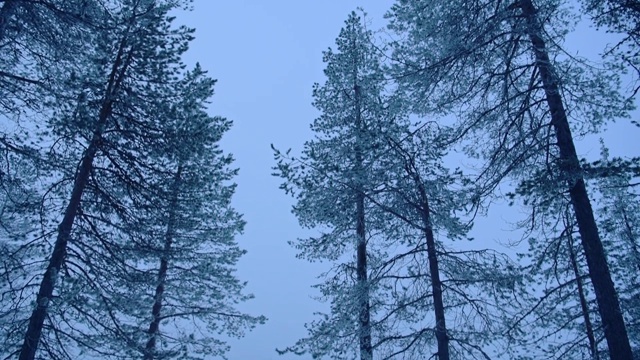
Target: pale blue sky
266 56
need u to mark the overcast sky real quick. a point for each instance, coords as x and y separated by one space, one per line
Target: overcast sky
266 56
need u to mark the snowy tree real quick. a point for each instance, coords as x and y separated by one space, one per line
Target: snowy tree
40 41
182 252
105 133
330 182
557 318
497 66
462 308
369 165
621 17
130 224
37 38
618 219
564 315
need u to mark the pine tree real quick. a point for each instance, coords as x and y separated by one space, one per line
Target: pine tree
558 316
106 133
494 64
40 40
438 291
187 229
621 17
368 165
330 181
618 209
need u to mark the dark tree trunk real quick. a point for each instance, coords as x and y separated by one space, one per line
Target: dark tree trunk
47 285
442 336
366 350
154 327
606 296
436 285
34 330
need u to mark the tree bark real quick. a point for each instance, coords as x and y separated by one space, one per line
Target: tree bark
47 285
366 350
436 284
34 330
606 296
154 327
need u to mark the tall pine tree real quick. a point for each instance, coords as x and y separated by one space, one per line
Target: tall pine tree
330 181
180 248
105 132
495 64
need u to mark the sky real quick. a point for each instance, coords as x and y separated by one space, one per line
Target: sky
266 56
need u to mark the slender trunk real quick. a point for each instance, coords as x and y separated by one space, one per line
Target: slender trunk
436 284
6 12
47 285
593 346
366 351
154 327
34 330
606 296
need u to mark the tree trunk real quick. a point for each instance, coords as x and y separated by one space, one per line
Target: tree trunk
34 330
154 327
606 296
45 292
366 351
436 285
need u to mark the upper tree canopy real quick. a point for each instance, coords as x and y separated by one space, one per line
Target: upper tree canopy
330 181
326 178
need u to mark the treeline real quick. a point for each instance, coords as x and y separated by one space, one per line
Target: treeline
492 81
117 233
